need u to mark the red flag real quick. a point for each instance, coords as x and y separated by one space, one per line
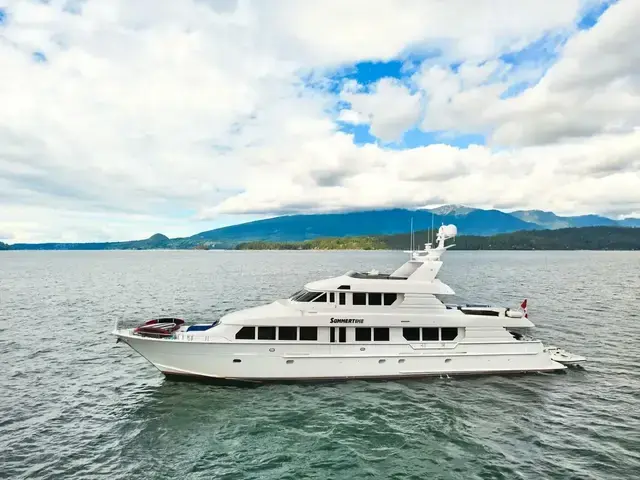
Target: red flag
523 306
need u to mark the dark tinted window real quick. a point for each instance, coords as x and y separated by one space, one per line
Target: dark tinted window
344 287
287 333
332 297
332 334
411 334
321 298
305 296
359 298
430 334
381 334
375 299
342 334
266 333
363 334
246 333
389 298
342 299
449 333
308 333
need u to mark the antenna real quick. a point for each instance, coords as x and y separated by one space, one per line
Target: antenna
431 233
411 238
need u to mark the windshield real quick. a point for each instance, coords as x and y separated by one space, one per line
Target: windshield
304 296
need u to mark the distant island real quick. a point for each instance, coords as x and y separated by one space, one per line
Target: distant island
585 238
387 228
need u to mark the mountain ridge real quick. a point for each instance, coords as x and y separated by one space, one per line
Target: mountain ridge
295 228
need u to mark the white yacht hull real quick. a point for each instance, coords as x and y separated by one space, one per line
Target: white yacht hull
280 361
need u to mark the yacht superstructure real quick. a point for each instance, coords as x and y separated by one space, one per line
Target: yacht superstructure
357 325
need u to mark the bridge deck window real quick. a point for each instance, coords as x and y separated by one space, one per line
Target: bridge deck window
359 298
375 299
305 296
389 298
321 298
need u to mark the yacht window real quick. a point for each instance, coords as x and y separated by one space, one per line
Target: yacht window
381 334
343 298
411 334
332 334
389 298
342 334
287 333
430 334
363 334
344 287
449 333
321 298
246 333
359 298
305 296
375 299
308 333
266 333
332 297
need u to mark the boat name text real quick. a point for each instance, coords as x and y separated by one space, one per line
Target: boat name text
346 320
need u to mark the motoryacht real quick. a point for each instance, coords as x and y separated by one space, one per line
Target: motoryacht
359 325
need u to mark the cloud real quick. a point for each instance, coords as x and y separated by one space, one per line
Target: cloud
389 108
121 119
593 88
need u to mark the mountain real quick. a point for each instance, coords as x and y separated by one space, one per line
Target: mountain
574 238
297 228
552 221
4 246
154 242
629 222
453 210
372 222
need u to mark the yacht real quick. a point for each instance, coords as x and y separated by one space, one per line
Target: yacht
359 325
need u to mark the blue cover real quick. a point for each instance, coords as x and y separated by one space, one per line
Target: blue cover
199 328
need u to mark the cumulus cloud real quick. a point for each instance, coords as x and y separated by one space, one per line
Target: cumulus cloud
593 88
121 119
389 108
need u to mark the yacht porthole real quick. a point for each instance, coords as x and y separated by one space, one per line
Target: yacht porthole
382 360
236 360
362 349
401 360
289 362
272 349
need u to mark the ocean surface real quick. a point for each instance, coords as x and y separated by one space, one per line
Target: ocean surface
76 405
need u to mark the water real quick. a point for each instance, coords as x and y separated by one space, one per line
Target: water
76 405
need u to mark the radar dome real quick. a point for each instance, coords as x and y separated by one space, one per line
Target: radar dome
448 230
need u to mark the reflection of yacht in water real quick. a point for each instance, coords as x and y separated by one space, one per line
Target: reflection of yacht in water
357 325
